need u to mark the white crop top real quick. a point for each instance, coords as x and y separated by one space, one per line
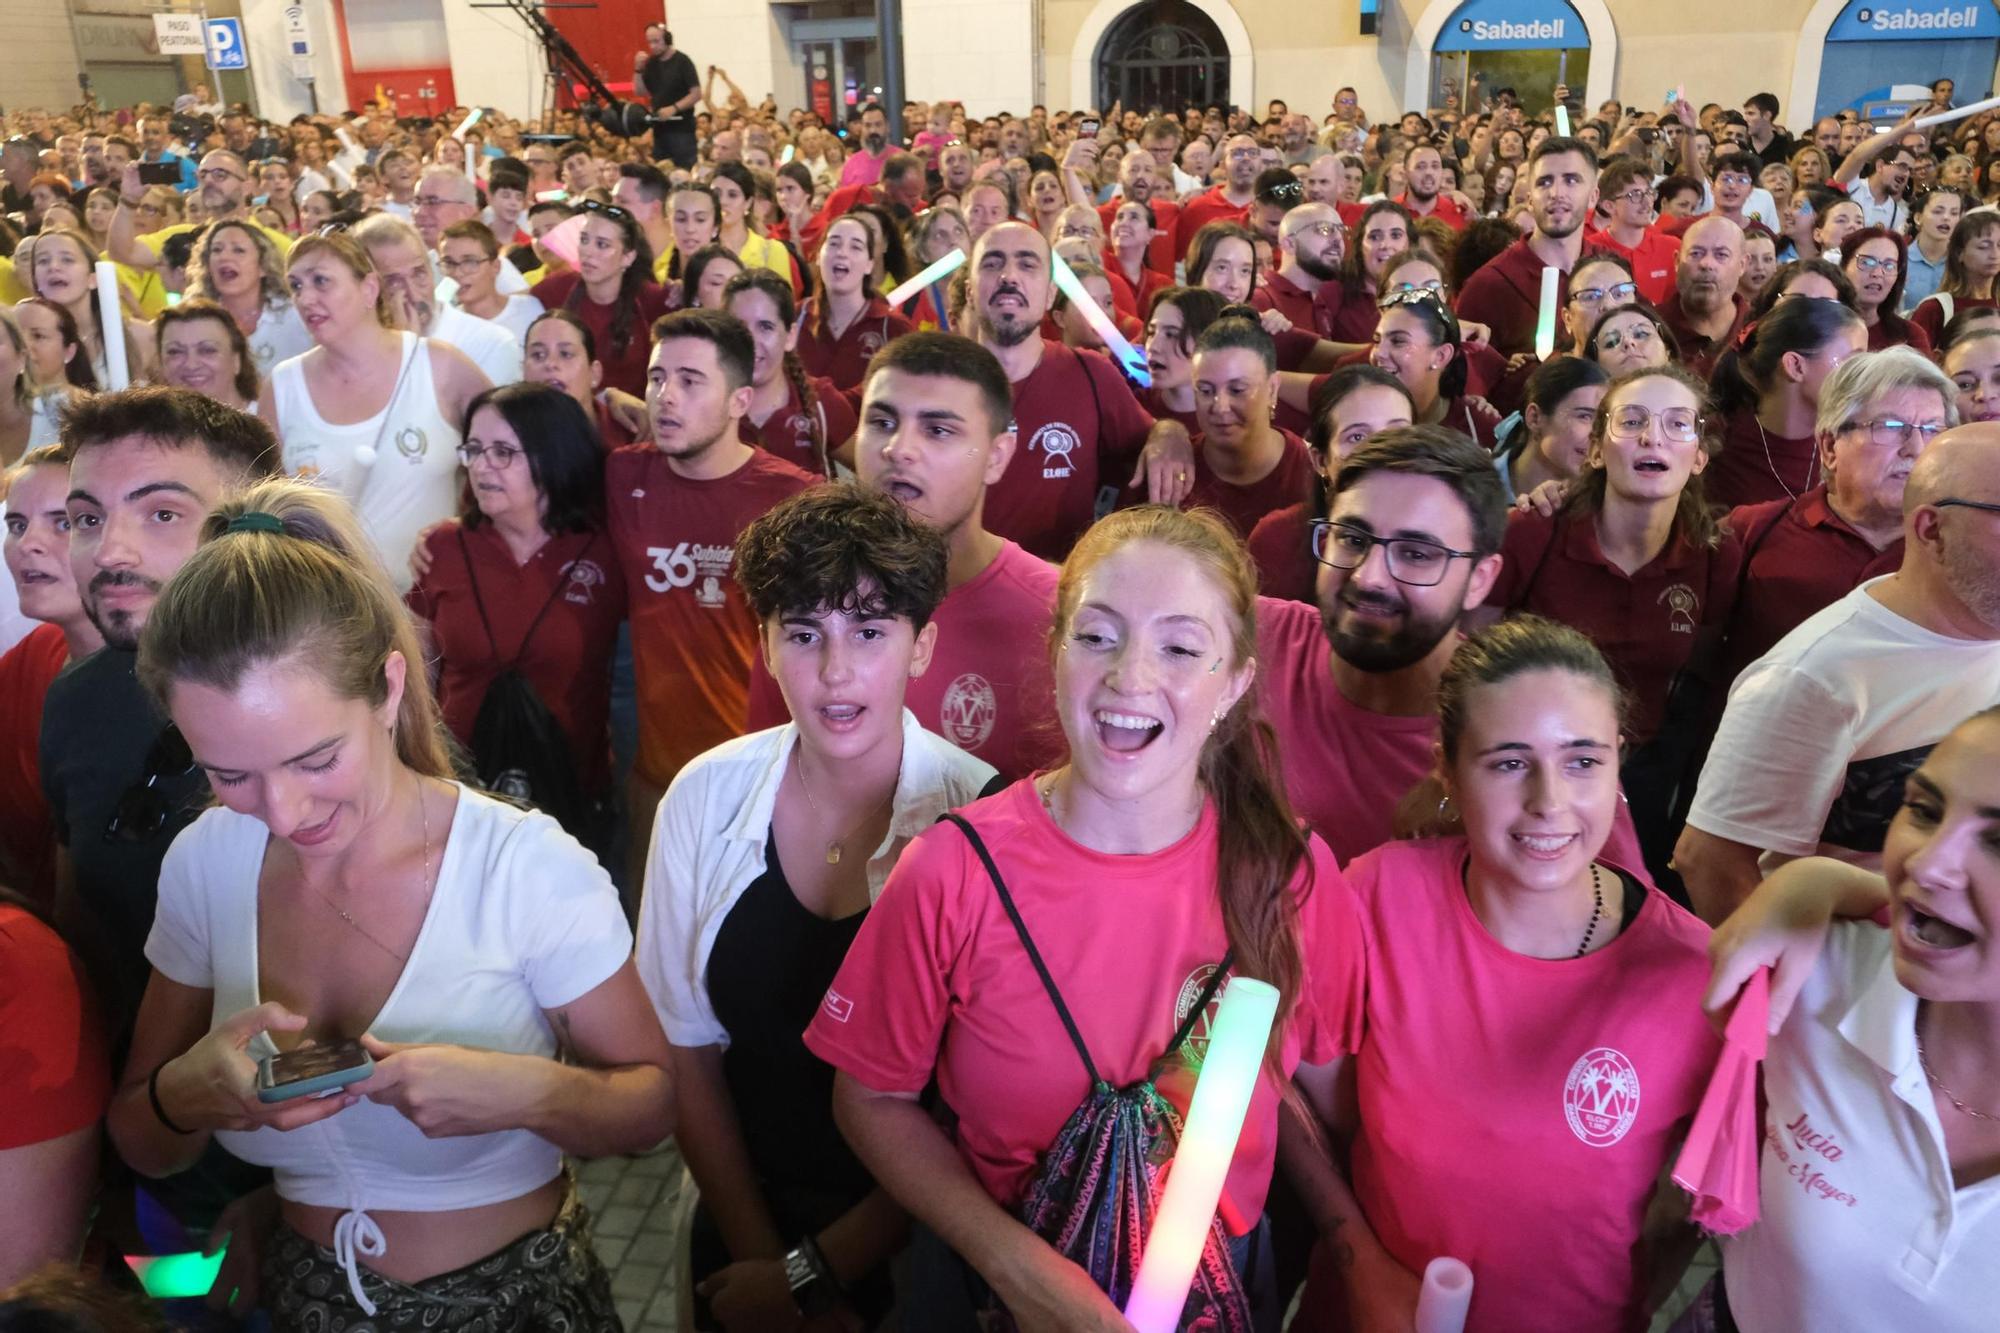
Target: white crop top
523 920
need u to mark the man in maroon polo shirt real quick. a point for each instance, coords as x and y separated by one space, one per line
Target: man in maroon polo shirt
1423 166
1801 555
1626 191
1506 293
1705 310
1082 435
1311 244
1227 202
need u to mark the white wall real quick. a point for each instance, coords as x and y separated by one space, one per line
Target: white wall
980 52
280 96
41 55
495 60
743 37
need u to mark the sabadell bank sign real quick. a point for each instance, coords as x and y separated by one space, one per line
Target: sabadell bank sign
1502 30
1502 25
1913 20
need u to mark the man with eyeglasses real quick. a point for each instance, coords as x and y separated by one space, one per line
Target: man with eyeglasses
1311 244
1625 191
1505 294
147 466
224 195
1888 163
1821 733
1227 202
404 266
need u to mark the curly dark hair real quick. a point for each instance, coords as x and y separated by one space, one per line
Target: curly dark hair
842 547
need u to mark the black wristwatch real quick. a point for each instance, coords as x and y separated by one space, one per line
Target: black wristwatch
811 1291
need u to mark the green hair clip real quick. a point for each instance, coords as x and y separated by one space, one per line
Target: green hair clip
256 520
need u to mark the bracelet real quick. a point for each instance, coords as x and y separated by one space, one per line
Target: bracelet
820 1267
153 1095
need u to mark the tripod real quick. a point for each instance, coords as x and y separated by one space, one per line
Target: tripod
567 67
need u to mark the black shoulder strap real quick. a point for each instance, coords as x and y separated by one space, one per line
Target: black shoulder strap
479 602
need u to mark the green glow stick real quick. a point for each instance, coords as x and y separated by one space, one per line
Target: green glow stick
1562 121
177 1276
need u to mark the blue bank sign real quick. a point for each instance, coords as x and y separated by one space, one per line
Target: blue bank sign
1915 21
1515 25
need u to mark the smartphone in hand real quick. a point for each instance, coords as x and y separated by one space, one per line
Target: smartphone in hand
312 1070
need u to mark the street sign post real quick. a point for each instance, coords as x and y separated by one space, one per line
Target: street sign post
225 45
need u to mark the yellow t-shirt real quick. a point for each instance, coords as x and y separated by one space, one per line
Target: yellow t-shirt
12 290
153 240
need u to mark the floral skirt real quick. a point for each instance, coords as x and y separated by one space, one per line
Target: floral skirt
548 1281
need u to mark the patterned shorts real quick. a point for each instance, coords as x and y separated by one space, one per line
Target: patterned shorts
548 1281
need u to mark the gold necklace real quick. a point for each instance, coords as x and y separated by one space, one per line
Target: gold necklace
835 847
340 911
1938 1083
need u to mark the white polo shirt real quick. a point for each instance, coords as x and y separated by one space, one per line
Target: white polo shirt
1890 213
1861 1229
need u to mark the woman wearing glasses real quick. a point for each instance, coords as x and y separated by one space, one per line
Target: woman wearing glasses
612 290
1418 341
237 267
1638 560
470 256
1630 337
1600 281
1876 260
1767 392
525 579
1535 1046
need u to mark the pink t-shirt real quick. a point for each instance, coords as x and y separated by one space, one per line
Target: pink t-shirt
937 981
1516 1112
988 689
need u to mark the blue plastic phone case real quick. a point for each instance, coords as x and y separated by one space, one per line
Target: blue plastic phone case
310 1087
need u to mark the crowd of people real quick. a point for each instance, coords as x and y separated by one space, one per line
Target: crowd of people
514 635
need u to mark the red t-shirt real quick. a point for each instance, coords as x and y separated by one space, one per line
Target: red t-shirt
55 1077
1278 292
1756 465
1930 317
693 636
27 834
988 689
568 657
1699 354
1078 428
937 982
1212 206
624 367
1505 294
610 434
1149 399
1653 260
1443 209
1245 506
1280 545
1160 251
1799 557
1515 1112
844 359
788 431
1648 624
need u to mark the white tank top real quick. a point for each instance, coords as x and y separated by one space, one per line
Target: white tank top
399 468
280 335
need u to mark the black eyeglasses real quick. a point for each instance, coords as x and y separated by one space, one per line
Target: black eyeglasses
1412 560
143 808
1985 506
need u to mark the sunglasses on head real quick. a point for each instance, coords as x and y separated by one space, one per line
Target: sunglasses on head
608 210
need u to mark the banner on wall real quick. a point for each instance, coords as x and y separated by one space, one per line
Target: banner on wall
1915 21
1515 25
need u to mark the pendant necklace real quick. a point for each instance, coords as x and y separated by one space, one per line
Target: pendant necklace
835 847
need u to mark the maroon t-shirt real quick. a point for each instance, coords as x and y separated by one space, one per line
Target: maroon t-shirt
1929 314
1799 558
1698 353
624 365
1648 624
1345 316
788 431
1756 465
1078 429
1505 294
1280 545
1245 506
844 359
1278 292
567 657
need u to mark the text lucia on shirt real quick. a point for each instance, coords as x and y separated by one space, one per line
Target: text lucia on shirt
1796 1149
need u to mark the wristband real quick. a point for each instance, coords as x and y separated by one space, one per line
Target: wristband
153 1095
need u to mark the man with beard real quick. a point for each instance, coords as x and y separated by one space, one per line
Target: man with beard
224 195
1506 292
675 508
1423 165
864 163
1083 436
1705 310
1227 202
1139 182
937 428
410 283
1311 244
1887 163
1822 733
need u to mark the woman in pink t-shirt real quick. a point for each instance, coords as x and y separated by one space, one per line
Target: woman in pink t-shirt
1535 1040
1162 846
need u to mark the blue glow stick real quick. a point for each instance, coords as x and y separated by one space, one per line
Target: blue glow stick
1128 357
941 268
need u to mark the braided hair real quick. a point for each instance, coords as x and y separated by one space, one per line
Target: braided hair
774 286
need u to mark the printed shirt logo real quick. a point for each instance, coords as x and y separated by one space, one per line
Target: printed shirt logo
838 1007
1805 1152
585 576
869 342
968 712
1056 441
412 443
1601 1097
1195 1049
685 564
1683 608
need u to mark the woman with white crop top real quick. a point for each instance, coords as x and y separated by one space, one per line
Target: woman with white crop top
375 413
347 888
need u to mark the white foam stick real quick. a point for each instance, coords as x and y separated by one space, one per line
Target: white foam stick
471 169
1445 1297
1545 322
1562 121
938 269
468 123
112 319
1956 113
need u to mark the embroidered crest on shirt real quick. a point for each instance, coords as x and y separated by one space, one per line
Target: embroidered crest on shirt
1601 1097
968 711
1056 441
412 443
1196 1048
1683 608
585 577
869 342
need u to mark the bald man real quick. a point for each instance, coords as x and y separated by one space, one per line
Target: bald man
1821 732
1228 202
1083 437
1139 180
1311 244
1705 309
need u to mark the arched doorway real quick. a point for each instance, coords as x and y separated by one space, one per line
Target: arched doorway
1165 53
